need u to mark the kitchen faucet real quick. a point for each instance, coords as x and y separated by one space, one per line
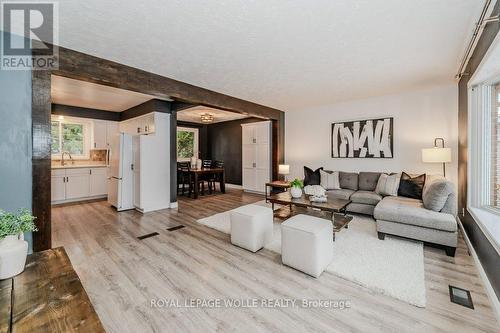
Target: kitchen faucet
62 158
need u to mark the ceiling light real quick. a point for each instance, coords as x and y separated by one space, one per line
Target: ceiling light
207 118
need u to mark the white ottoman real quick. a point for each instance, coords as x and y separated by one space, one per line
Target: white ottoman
251 227
307 244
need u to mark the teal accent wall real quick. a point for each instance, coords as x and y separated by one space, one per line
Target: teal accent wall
15 141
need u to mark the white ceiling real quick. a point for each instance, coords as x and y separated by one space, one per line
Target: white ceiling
193 115
94 96
285 54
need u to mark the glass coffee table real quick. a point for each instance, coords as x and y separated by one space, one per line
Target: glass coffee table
334 209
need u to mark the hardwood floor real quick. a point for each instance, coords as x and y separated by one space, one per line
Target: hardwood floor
122 274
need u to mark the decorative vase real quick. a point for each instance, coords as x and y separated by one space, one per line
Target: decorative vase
193 162
13 252
296 192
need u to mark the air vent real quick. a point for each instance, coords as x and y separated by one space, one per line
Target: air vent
148 235
175 228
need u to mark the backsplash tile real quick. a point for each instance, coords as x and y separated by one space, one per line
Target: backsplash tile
98 155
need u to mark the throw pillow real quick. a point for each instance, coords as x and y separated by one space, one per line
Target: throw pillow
411 187
312 177
436 195
330 181
388 184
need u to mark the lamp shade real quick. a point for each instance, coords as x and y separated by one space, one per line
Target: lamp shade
436 155
283 169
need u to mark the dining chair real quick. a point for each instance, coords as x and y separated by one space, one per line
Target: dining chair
215 176
183 176
206 164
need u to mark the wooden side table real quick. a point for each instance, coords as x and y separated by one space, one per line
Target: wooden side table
276 186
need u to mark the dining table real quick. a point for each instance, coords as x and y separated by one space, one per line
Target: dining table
198 172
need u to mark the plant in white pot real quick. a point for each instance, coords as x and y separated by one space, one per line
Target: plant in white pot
296 188
13 247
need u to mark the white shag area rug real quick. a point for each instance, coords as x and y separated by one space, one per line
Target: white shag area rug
393 267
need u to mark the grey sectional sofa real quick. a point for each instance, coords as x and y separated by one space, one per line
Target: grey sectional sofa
400 216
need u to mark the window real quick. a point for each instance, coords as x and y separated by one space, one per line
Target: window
495 149
187 143
70 135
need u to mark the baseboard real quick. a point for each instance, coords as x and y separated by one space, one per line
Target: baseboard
254 192
79 200
174 205
495 302
238 187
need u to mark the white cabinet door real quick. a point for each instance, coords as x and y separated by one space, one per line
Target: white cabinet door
149 123
98 181
249 179
262 177
58 188
111 130
249 156
262 156
100 141
262 133
77 186
248 134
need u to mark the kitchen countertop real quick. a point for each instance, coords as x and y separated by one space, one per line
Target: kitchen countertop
75 166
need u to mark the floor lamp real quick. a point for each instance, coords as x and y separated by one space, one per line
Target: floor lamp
437 154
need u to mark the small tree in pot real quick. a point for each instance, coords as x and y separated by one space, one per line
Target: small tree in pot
13 247
296 188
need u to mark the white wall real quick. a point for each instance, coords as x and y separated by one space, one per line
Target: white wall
419 117
155 165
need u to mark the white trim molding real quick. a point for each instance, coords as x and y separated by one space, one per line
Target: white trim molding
479 159
495 302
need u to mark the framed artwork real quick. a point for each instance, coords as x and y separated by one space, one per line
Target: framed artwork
372 138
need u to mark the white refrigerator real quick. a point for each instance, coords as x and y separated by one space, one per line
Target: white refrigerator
120 172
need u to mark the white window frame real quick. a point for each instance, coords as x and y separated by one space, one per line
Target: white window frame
87 136
480 108
195 142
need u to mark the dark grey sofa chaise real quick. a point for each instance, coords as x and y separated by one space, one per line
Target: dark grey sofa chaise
401 216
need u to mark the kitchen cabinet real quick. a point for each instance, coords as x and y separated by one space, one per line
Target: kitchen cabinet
112 128
77 183
103 131
74 184
98 182
140 125
100 141
256 155
58 185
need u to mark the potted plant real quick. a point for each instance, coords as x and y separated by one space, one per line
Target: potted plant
296 188
13 247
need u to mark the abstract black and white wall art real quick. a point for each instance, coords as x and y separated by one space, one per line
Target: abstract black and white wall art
371 138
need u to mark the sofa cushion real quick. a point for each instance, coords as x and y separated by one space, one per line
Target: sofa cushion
388 184
312 177
436 195
411 187
367 181
348 180
366 197
340 194
412 212
330 180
